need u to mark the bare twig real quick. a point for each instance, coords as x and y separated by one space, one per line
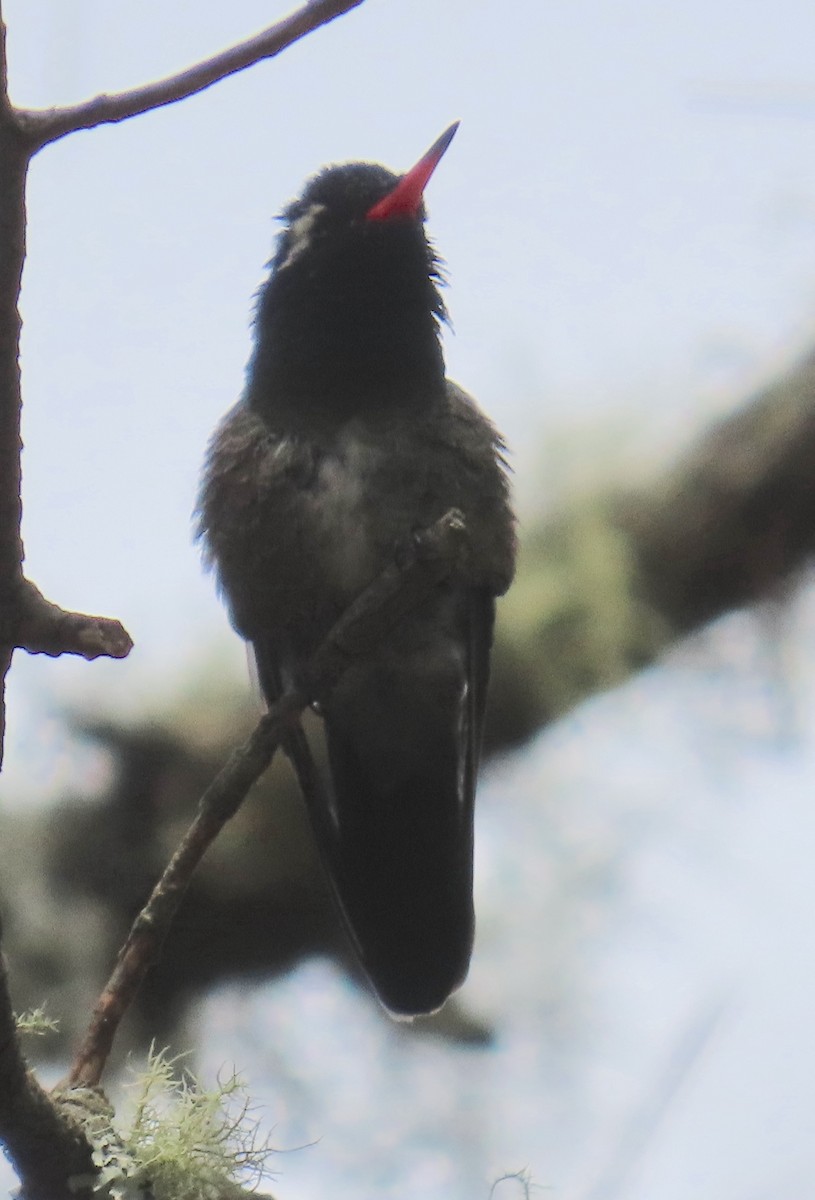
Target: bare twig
433 555
42 127
219 802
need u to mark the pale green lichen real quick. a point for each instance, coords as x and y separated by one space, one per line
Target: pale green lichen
194 1143
575 615
35 1022
181 1142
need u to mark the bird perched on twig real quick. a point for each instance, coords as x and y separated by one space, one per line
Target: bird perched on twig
349 438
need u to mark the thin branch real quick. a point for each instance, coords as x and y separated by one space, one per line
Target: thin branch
42 127
432 556
219 802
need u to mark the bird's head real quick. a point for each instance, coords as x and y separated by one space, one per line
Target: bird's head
359 209
349 315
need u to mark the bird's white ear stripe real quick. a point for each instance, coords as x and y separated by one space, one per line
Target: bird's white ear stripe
299 234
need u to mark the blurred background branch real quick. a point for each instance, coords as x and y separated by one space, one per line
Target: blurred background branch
612 581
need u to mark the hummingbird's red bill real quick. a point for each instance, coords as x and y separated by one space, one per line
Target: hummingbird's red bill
406 198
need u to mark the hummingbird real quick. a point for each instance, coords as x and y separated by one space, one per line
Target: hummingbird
347 440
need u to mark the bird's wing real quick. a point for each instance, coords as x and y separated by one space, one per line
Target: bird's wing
252 518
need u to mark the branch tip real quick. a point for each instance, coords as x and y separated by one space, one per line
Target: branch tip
38 626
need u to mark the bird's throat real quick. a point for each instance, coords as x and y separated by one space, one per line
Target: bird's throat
337 348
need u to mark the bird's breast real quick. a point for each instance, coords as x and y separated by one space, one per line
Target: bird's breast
347 524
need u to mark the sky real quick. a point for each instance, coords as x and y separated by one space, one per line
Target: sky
628 218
